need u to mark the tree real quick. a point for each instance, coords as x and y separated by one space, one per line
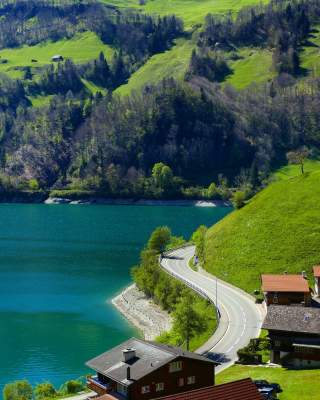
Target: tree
159 239
238 199
162 176
212 191
44 391
187 322
198 238
18 390
299 156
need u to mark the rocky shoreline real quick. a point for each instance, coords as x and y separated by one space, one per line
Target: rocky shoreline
145 315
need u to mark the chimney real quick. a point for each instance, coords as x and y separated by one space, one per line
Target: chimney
304 274
128 354
128 374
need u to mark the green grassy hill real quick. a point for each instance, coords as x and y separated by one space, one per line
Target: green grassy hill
277 231
82 48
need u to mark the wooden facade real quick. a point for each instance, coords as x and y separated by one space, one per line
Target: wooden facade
295 349
287 298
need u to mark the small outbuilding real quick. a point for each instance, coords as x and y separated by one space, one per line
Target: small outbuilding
57 58
285 289
316 274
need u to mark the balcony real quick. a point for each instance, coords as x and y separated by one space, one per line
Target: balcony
97 386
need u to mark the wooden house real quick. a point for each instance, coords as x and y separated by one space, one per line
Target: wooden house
294 332
137 370
285 289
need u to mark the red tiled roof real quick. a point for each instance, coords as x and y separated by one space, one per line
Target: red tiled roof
244 389
316 271
284 283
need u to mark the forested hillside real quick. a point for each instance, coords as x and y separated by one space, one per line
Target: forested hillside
72 124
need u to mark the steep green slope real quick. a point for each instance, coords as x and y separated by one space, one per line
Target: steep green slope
172 63
279 230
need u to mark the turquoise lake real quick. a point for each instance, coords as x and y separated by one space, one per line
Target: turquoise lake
60 266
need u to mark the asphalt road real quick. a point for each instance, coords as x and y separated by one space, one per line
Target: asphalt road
240 317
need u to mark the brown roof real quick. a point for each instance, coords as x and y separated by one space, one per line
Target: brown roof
293 319
244 389
149 356
284 283
316 271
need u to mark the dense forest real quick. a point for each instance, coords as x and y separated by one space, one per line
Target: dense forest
171 140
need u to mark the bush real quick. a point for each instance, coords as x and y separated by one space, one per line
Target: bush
44 391
74 386
238 199
18 390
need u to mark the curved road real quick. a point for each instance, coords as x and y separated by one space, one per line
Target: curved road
240 317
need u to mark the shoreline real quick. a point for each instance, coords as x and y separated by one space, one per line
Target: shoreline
140 202
142 312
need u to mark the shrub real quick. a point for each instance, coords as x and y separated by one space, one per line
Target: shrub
74 386
238 199
44 391
18 390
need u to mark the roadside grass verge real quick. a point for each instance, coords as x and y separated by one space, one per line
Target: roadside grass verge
296 384
277 231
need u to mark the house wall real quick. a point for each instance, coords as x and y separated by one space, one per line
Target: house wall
203 372
317 286
283 351
287 298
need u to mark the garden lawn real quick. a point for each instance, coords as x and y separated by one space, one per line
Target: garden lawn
277 231
296 385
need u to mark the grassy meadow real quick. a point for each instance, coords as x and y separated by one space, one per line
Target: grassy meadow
172 63
296 385
277 231
192 12
82 48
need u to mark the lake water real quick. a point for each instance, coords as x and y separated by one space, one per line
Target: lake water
60 266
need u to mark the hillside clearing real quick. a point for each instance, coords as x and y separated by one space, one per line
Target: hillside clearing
82 48
171 64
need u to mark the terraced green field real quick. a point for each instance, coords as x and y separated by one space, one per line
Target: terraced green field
80 49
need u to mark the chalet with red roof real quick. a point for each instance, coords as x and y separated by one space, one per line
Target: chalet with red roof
285 289
316 274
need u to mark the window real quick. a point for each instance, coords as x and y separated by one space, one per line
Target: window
180 382
159 387
145 389
175 366
191 380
